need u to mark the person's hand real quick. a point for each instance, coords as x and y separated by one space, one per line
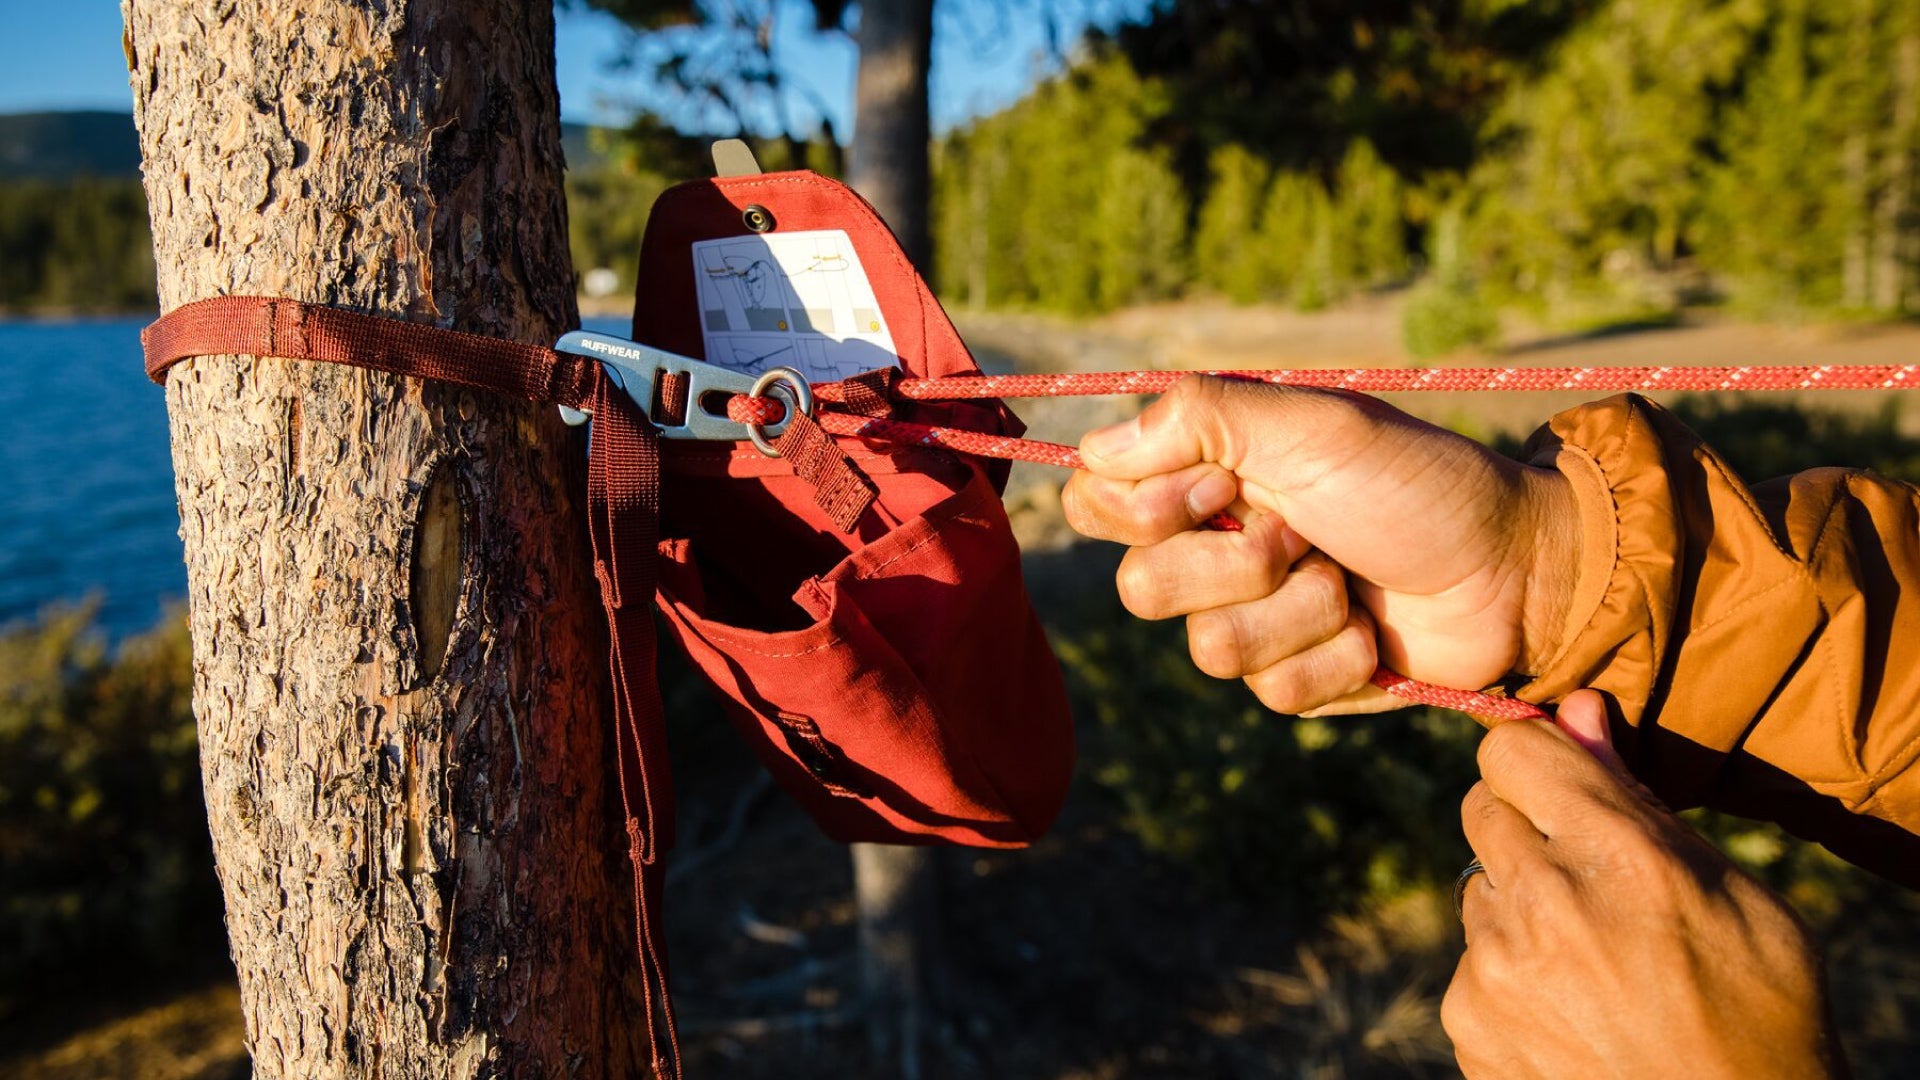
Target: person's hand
1606 939
1460 560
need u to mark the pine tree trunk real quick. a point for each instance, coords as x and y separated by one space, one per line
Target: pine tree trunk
888 162
397 681
1856 254
896 888
1893 225
979 176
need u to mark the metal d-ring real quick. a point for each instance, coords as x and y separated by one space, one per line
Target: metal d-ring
799 401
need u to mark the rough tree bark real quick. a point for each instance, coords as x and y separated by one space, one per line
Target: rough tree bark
896 888
398 679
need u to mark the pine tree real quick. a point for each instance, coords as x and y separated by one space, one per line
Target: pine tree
1140 229
1297 241
1599 161
1371 234
1768 228
1228 248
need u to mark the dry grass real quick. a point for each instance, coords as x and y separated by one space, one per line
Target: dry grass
1362 1000
197 1036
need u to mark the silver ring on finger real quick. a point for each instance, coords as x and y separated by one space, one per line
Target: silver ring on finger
1460 888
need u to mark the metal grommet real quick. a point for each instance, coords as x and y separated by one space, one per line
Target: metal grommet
792 385
758 218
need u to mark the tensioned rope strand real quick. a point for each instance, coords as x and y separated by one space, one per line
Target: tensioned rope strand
1363 380
1417 379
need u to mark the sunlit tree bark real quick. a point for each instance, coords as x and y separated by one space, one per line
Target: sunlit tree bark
398 694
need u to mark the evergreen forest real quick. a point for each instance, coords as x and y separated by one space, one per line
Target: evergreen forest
1588 161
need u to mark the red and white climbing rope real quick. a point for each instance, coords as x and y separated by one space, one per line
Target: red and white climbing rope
1396 380
1363 380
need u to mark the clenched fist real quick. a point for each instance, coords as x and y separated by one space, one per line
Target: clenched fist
1370 538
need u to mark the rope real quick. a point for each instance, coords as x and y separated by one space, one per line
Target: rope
1403 380
1360 380
267 326
744 409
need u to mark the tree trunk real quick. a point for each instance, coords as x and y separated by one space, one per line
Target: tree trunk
398 668
1856 251
1894 225
896 888
888 163
979 179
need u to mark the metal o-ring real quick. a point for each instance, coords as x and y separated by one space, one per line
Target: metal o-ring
758 218
799 396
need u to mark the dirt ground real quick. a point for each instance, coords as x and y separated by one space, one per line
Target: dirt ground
1084 958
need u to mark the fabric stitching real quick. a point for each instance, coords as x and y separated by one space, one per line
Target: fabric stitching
741 643
1753 508
1846 750
1794 576
933 533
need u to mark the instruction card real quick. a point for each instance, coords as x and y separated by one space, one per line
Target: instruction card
798 300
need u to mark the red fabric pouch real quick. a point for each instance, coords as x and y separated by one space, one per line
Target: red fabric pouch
893 677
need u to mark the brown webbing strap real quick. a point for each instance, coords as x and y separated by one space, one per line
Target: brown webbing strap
269 326
839 487
623 494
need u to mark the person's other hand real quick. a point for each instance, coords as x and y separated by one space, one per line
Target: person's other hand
1607 939
1460 560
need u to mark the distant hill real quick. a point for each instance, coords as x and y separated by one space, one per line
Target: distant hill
61 145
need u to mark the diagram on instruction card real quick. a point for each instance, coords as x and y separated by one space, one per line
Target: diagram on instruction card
798 300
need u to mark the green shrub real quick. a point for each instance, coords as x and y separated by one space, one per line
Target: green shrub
1306 816
1440 318
105 864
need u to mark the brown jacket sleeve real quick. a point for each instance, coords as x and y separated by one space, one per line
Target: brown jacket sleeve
1762 645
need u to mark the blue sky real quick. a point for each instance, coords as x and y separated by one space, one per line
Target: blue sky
987 53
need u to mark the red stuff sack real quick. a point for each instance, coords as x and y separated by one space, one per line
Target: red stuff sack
892 677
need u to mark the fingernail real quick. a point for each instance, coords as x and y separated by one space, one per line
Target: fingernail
1586 720
1111 441
1213 493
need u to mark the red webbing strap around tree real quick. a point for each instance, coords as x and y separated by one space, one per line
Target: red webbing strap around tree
623 495
267 326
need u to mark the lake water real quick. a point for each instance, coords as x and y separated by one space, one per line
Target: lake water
86 483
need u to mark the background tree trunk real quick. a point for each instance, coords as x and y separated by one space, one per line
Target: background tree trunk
398 675
888 162
896 888
1893 226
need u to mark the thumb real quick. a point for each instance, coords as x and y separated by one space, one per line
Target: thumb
1200 419
1583 716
